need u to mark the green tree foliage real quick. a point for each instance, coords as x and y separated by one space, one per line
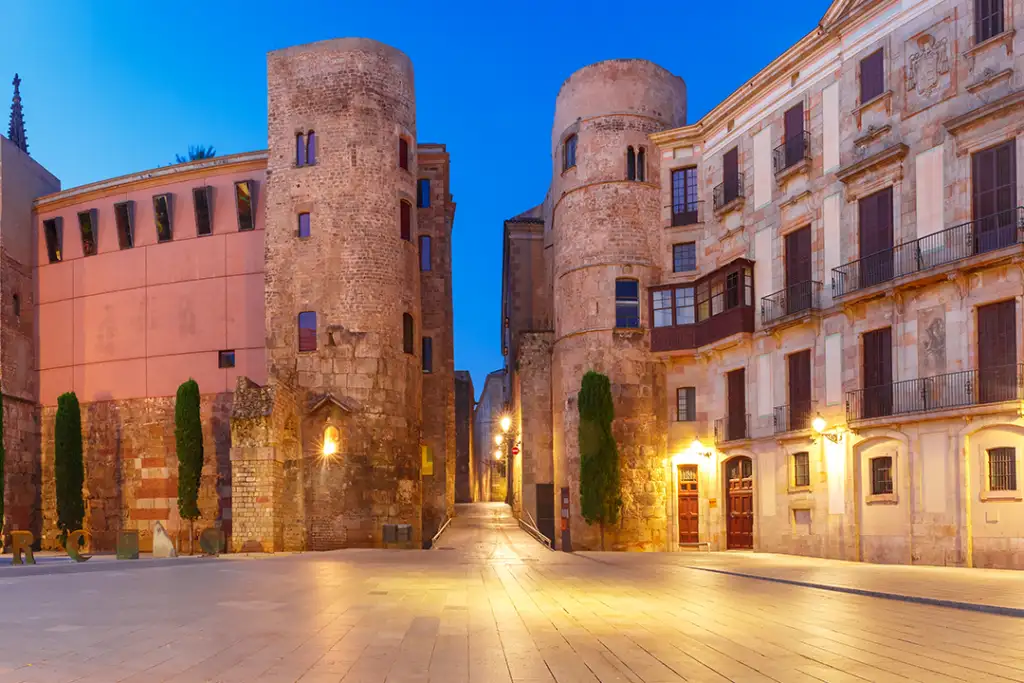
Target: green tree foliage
600 497
69 469
196 153
188 437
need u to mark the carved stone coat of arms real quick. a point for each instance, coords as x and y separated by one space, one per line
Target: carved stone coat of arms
930 65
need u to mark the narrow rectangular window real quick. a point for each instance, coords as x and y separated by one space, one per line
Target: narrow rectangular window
684 306
53 230
872 76
408 332
307 331
226 359
424 252
988 19
686 404
423 193
123 215
403 153
87 224
300 150
569 153
684 196
204 218
162 217
1002 469
304 226
405 211
881 476
627 303
428 354
427 457
801 469
311 148
684 257
243 203
662 308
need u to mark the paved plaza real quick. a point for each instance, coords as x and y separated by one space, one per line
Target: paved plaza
490 604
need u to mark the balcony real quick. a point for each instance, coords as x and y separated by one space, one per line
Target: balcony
688 213
791 153
729 194
793 417
790 303
961 242
732 428
941 392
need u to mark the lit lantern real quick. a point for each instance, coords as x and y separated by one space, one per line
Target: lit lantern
331 438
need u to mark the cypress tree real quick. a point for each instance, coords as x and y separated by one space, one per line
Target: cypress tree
188 437
69 469
600 498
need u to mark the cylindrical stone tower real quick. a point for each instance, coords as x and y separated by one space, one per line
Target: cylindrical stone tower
341 114
605 217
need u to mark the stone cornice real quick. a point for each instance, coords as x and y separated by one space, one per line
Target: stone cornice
888 155
158 176
977 115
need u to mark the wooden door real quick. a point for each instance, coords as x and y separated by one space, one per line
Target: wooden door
994 197
794 142
689 505
875 232
740 504
997 352
798 270
731 174
736 418
800 389
877 372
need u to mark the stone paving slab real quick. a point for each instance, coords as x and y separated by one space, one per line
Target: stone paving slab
987 588
496 608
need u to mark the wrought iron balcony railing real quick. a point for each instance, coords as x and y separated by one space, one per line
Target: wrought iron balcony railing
791 152
727 191
732 428
793 417
688 213
999 230
941 392
792 300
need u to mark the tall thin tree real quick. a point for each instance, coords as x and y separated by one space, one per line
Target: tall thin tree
188 437
68 466
600 496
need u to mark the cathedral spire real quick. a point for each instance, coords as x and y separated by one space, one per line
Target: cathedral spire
16 129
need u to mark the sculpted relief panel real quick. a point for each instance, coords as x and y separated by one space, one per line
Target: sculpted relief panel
930 66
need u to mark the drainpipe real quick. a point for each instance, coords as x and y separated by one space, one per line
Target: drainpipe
969 558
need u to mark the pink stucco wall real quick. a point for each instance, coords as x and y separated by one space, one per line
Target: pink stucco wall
137 322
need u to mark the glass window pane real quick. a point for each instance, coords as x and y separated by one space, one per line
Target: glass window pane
428 354
663 308
201 199
300 149
424 252
243 205
304 225
307 331
627 289
123 221
684 306
53 230
311 148
684 257
423 193
162 217
87 224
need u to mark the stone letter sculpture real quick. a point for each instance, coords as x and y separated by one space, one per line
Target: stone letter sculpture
163 546
74 544
21 542
128 545
211 541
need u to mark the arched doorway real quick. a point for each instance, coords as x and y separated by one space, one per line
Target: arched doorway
739 496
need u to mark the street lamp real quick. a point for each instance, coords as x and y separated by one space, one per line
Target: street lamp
506 423
497 454
498 439
819 424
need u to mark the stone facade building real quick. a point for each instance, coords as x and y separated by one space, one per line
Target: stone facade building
489 483
808 302
465 465
307 289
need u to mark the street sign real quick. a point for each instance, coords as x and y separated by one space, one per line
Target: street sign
515 450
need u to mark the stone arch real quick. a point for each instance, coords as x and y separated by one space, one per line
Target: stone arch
883 520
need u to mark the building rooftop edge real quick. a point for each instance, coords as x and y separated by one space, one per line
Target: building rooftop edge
168 172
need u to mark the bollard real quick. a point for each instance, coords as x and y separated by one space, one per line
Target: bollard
21 542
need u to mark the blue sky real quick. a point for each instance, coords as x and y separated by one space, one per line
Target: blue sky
114 87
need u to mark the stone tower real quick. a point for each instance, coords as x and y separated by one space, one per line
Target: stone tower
602 219
339 112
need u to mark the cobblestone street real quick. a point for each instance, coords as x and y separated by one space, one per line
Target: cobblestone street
491 605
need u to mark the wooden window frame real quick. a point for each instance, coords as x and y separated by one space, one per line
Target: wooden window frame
800 472
874 467
865 94
689 395
995 28
684 260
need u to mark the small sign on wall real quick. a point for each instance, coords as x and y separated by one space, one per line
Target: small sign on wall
712 502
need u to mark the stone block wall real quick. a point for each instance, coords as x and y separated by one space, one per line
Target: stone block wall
131 469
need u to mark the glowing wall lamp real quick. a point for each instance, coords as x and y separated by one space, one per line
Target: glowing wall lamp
331 438
697 448
497 454
506 423
498 439
819 424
